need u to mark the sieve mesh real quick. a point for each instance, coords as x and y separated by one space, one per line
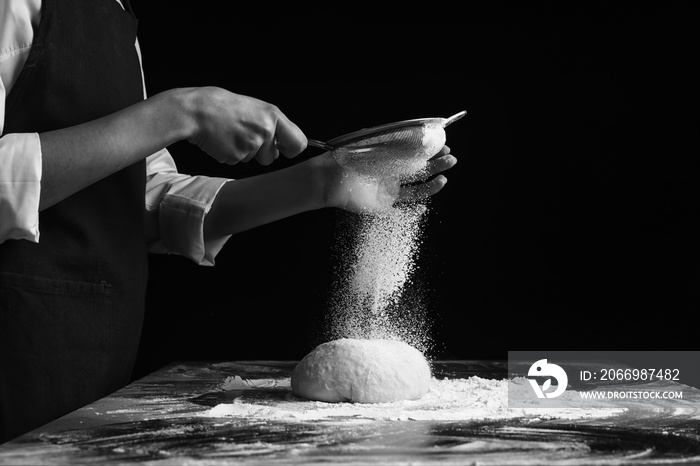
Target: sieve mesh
398 149
401 152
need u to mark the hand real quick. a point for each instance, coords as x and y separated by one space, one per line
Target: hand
350 191
235 128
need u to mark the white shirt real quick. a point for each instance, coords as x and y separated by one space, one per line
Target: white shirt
177 203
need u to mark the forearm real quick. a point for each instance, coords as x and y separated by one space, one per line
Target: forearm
74 158
251 202
316 183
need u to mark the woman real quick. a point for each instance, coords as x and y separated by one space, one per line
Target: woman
82 161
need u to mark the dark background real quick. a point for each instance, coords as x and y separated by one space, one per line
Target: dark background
570 221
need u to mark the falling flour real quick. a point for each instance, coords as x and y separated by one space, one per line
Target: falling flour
384 260
377 249
372 297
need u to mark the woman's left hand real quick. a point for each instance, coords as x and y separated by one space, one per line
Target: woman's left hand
348 190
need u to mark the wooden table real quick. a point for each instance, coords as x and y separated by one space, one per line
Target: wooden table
159 420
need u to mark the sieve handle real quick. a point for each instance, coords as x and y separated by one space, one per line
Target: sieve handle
320 144
455 117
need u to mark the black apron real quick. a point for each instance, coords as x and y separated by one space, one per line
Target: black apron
71 306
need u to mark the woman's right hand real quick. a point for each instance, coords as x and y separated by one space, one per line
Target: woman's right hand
235 128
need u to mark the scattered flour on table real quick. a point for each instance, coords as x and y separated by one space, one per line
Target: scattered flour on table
447 400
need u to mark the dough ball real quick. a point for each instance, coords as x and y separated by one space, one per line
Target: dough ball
362 371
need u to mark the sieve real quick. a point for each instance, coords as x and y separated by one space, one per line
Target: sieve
401 148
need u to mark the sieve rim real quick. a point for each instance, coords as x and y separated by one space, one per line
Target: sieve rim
374 130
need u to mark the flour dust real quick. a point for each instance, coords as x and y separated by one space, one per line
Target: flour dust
375 294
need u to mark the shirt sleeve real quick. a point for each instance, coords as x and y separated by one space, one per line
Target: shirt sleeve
176 205
20 186
20 154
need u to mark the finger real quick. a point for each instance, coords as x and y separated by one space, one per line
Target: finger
441 164
267 153
251 155
434 167
251 145
422 191
442 152
291 140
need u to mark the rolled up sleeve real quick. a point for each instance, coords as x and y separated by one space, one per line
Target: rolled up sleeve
176 206
20 186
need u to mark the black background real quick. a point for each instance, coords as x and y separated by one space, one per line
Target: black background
570 221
